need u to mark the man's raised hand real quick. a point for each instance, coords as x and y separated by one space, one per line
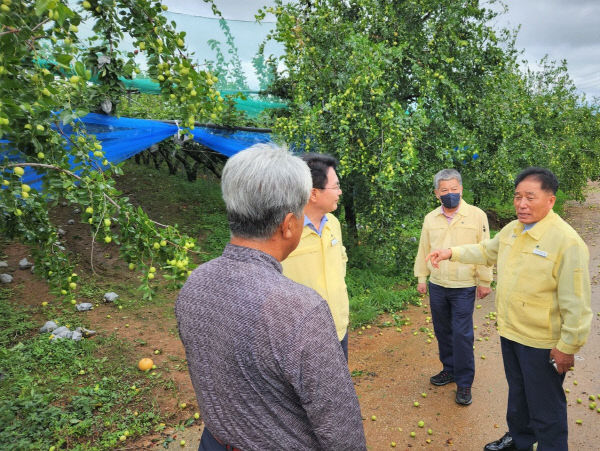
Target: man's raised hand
436 256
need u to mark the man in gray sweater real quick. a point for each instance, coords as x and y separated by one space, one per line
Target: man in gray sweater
262 350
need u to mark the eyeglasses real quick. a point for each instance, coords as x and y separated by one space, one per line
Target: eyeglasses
335 187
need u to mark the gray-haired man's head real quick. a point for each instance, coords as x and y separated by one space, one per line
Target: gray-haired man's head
446 174
260 186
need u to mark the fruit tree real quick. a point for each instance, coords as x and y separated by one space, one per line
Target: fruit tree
49 77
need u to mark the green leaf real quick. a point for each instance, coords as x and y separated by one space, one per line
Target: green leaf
80 69
41 6
63 59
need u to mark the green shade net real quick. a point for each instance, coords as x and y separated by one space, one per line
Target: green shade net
252 105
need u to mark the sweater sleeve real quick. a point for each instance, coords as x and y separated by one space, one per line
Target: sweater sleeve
319 373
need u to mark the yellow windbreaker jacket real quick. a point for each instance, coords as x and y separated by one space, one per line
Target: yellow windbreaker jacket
319 262
469 226
543 293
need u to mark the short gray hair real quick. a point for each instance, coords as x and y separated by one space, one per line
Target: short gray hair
446 174
260 186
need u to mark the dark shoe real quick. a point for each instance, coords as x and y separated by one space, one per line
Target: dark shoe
463 396
442 378
505 443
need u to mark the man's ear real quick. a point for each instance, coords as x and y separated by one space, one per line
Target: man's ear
287 226
313 194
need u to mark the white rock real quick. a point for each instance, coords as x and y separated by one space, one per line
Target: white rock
6 278
24 263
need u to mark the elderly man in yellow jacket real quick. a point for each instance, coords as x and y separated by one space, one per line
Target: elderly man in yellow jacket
454 286
319 261
543 305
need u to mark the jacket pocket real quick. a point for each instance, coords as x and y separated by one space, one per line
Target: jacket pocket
530 320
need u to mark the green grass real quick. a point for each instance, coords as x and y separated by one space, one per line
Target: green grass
372 293
76 395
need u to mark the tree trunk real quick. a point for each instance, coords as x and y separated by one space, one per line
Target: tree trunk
166 154
350 215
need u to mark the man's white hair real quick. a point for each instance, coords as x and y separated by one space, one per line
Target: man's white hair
260 186
446 174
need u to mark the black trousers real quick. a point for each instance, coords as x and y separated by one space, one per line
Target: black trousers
452 314
537 405
209 443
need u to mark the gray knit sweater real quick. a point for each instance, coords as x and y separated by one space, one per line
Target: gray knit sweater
264 358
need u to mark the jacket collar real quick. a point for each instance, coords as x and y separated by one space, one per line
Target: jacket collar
462 209
537 231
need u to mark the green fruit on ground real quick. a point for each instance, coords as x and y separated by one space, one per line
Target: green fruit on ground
197 416
421 424
413 434
19 171
89 210
107 239
430 431
131 266
373 418
72 285
416 403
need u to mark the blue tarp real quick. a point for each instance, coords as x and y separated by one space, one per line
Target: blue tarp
122 138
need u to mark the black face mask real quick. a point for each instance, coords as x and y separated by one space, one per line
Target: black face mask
450 200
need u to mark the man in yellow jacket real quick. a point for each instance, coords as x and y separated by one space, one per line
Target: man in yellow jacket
453 286
319 261
543 305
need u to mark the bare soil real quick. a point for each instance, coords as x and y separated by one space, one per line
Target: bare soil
391 369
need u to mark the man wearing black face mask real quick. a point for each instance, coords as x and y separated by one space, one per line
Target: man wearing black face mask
453 286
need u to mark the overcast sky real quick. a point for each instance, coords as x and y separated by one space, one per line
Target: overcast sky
561 29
